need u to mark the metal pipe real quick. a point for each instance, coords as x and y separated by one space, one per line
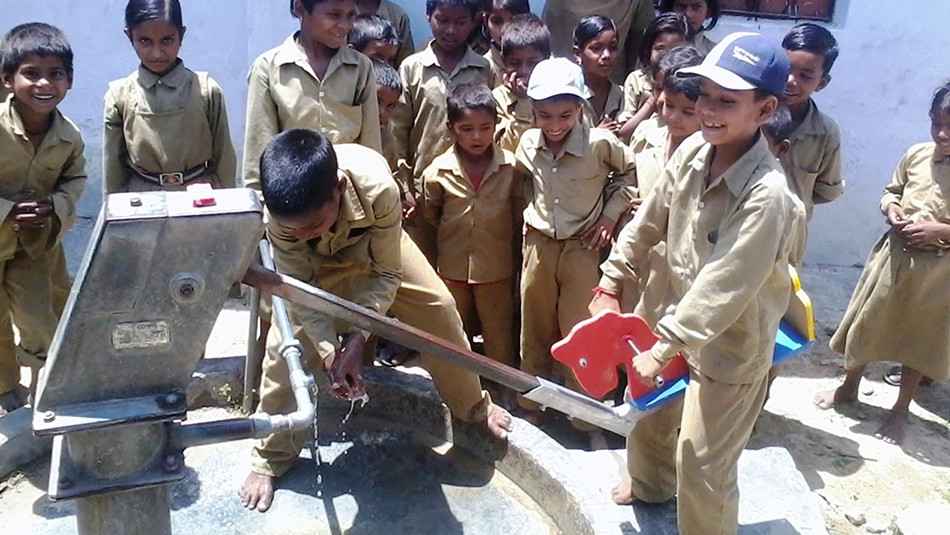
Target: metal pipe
255 357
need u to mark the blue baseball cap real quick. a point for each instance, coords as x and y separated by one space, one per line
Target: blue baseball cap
744 61
556 76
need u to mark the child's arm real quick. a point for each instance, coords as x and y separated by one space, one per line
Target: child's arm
619 191
749 244
401 121
829 185
262 123
222 149
370 132
114 150
65 198
642 114
433 196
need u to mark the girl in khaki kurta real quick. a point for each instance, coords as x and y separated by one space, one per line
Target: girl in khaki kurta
165 125
899 310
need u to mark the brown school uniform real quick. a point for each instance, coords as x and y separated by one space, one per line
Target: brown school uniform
728 250
366 258
813 162
497 64
420 122
165 124
899 310
284 93
56 169
515 117
630 16
703 43
567 193
400 20
637 89
613 107
388 143
475 234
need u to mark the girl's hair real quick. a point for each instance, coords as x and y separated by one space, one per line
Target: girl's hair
665 23
140 11
515 7
941 100
712 7
590 27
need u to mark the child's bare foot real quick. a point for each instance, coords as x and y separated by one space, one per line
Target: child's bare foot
622 494
892 431
839 396
499 422
257 492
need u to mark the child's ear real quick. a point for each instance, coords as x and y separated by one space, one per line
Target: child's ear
577 53
181 36
783 148
8 81
350 45
766 108
128 33
825 80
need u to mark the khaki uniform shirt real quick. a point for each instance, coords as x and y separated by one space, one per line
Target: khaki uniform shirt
728 249
920 186
630 16
612 108
166 124
367 234
813 162
389 147
475 227
56 169
497 64
400 21
637 89
649 152
419 120
567 193
285 93
703 43
515 117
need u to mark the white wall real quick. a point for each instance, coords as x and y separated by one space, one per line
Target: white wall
890 63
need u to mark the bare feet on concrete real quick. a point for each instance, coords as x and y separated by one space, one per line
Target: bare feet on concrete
892 431
498 422
622 494
257 492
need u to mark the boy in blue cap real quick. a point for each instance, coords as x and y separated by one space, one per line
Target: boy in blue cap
731 223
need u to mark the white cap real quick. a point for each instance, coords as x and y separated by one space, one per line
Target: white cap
556 76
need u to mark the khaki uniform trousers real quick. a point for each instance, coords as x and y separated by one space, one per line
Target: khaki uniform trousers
651 453
425 236
718 419
490 305
422 301
556 281
32 296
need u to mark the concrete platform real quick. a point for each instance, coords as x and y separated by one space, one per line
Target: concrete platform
390 469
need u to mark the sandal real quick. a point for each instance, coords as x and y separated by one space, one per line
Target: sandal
893 377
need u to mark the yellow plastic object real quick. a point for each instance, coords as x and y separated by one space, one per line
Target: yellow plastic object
800 313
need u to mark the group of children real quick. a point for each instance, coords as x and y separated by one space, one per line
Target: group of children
504 193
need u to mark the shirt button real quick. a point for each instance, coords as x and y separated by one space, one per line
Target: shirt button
321 93
324 129
554 169
557 201
701 204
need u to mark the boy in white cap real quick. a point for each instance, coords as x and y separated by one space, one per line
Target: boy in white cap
579 180
731 223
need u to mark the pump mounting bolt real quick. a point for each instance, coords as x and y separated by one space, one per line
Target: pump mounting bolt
49 416
171 463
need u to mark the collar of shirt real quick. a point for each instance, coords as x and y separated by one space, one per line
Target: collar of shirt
451 162
289 53
575 144
937 157
175 77
57 132
656 137
738 174
351 206
614 103
469 59
811 124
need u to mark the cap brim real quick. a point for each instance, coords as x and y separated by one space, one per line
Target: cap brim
541 93
719 76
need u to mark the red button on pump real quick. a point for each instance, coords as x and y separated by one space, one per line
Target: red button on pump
201 195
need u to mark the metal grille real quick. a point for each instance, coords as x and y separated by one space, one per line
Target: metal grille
820 10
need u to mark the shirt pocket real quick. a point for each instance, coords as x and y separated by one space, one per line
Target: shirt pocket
344 123
584 189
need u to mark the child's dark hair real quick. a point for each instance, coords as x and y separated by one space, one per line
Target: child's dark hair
526 31
35 39
307 4
665 23
590 27
711 5
368 28
679 58
473 6
139 11
467 97
515 7
941 100
780 126
298 172
675 59
815 39
386 75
